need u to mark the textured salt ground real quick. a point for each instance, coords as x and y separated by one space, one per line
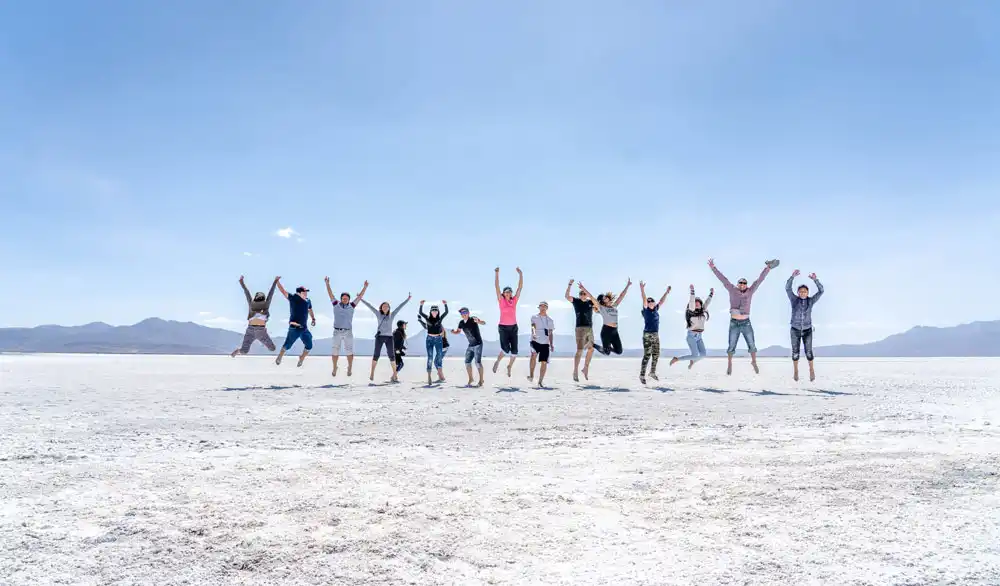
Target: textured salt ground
207 470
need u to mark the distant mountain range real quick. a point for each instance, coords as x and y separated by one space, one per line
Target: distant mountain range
157 336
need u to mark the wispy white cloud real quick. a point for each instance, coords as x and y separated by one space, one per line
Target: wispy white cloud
288 232
247 254
204 313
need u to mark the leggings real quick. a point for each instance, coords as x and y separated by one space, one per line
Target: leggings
805 337
650 351
610 340
386 341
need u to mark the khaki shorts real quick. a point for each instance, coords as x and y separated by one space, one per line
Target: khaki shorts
343 340
584 338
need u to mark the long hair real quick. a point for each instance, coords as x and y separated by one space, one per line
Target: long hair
388 311
688 314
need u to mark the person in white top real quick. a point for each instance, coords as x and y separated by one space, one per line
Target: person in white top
542 342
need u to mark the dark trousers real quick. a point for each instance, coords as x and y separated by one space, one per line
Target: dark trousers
804 338
610 340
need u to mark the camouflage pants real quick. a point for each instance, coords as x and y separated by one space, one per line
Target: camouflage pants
256 333
650 350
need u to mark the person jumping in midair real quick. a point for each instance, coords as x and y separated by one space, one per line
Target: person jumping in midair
696 315
383 334
650 332
343 325
399 343
739 310
584 307
607 305
435 341
508 319
474 353
300 307
259 312
542 342
802 330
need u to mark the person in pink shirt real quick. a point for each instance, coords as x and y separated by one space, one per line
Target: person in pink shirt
507 327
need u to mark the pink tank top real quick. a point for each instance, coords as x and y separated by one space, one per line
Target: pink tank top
508 311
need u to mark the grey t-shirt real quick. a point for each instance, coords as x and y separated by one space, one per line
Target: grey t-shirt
542 325
343 315
608 314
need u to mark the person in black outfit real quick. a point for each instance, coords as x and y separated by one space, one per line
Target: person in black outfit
399 343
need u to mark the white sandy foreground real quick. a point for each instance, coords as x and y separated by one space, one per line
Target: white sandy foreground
209 470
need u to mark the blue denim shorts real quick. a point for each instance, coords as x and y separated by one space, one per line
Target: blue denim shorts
474 354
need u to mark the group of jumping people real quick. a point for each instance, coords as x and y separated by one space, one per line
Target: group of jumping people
585 306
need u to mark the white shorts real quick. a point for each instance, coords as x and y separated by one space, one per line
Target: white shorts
343 338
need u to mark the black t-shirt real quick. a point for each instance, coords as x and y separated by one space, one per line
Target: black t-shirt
471 329
584 312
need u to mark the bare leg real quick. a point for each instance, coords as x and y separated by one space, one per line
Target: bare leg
541 374
302 358
392 364
531 367
729 368
510 365
481 381
812 371
335 359
468 370
496 364
372 377
753 362
350 364
440 375
576 365
586 365
235 352
281 356
795 370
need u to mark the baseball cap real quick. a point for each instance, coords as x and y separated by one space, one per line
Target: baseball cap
464 310
400 323
545 303
301 288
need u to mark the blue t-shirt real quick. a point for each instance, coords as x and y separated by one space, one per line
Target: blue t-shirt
652 319
299 310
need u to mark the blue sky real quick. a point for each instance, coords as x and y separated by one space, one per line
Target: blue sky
150 153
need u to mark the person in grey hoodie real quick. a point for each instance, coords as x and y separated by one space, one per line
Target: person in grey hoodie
259 311
383 334
802 330
739 312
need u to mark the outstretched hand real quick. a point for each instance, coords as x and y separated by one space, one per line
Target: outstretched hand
422 301
497 270
409 296
692 289
571 281
366 283
796 273
669 288
277 278
327 280
241 278
812 276
711 262
629 284
642 283
518 269
443 302
711 291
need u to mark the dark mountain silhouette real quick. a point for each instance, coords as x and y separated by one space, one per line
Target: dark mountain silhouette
157 336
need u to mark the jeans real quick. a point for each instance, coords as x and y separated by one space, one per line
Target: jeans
697 346
435 352
386 341
737 327
474 354
650 351
805 337
294 334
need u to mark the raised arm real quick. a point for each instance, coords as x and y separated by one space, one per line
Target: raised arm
520 283
621 296
401 306
662 299
642 291
270 293
362 294
584 289
760 279
711 294
479 321
246 291
720 276
496 282
370 306
691 300
282 289
569 296
420 310
445 314
819 287
329 290
788 285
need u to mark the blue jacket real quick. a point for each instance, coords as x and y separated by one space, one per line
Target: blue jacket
802 308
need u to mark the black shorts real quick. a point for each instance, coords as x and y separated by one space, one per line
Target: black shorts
508 339
542 350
